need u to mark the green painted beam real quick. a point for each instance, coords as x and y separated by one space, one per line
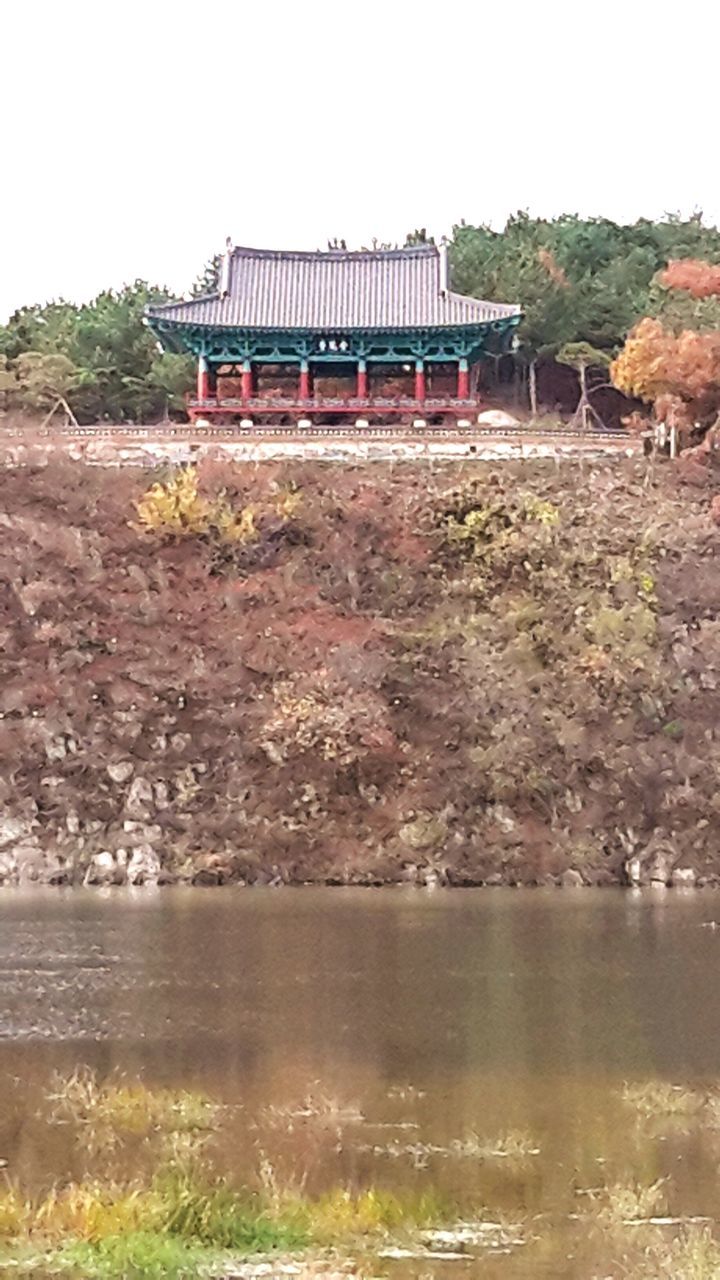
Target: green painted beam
379 346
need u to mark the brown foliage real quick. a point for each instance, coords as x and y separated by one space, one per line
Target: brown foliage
692 275
553 268
686 366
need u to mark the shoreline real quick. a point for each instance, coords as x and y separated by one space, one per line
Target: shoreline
550 884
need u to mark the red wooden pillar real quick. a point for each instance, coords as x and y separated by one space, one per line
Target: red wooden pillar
463 386
212 380
419 380
362 380
246 386
203 381
304 387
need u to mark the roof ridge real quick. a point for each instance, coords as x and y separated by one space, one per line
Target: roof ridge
512 308
336 255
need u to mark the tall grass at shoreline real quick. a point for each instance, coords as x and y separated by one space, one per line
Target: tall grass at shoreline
180 1214
173 1217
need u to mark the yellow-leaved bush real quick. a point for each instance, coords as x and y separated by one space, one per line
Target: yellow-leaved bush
176 506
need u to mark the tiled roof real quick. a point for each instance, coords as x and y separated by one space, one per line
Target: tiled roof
381 289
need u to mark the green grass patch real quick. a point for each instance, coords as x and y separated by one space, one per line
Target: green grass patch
94 1229
141 1255
176 1217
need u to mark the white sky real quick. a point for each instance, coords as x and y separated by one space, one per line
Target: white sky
137 136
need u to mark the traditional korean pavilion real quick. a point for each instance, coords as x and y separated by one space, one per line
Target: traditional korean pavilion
374 333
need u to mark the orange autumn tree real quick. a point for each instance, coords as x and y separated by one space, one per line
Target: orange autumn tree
699 279
672 360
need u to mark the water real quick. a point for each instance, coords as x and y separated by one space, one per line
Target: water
349 1031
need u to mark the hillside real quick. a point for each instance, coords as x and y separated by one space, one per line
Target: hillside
359 675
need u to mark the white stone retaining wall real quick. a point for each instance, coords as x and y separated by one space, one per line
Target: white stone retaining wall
107 451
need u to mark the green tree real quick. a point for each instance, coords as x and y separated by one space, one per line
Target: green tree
578 279
110 347
209 279
173 376
581 356
45 380
517 265
418 236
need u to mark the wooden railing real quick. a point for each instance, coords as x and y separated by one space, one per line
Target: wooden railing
337 404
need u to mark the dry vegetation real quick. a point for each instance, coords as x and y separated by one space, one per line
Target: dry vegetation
357 675
171 1215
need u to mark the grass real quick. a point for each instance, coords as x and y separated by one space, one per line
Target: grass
182 1221
693 1254
140 1255
320 1109
514 1146
213 1214
164 1222
342 1216
658 1098
624 1204
176 1218
711 1112
105 1113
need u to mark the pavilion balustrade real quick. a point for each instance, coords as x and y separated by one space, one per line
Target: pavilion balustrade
327 383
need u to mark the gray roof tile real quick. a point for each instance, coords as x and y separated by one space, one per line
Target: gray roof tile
380 289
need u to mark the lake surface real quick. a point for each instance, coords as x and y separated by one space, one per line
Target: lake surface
385 1038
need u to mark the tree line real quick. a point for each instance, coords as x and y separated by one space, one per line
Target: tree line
643 299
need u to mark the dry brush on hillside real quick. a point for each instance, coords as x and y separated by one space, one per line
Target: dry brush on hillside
357 675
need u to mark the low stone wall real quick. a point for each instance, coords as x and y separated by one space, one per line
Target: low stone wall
137 449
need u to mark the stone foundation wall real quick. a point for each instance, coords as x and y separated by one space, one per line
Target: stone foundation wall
145 450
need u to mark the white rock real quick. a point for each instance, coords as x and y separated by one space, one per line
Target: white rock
572 879
633 871
121 770
8 866
496 418
12 830
504 817
139 797
162 797
660 869
101 869
683 878
144 865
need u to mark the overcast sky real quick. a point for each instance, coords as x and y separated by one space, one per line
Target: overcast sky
139 135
